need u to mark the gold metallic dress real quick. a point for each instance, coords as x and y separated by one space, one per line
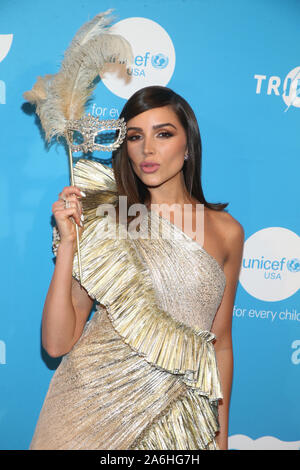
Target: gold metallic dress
143 374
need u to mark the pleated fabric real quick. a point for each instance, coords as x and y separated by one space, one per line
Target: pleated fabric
143 375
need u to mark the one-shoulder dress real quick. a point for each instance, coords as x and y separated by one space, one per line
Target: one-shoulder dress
143 374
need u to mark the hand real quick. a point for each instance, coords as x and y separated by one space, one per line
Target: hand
67 217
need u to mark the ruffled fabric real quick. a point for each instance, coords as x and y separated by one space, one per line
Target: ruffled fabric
114 275
191 422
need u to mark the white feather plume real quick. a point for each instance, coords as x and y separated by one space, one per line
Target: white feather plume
63 96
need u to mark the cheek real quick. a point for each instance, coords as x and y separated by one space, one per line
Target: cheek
133 151
174 151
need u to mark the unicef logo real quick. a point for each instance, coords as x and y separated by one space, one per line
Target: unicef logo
159 61
5 45
293 265
153 57
270 271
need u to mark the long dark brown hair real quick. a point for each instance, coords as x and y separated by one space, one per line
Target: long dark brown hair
128 184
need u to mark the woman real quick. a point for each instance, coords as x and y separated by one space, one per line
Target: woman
143 373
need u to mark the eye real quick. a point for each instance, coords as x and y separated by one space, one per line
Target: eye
165 134
133 137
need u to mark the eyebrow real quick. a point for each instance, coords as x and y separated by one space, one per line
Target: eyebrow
157 126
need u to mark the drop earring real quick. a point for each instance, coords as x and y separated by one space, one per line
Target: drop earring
186 156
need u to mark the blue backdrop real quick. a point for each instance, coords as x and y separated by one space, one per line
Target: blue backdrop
237 64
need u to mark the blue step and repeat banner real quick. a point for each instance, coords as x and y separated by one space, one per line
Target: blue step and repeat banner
237 62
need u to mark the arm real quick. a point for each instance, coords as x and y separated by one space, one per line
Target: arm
67 304
222 327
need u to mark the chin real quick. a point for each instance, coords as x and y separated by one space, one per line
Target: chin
148 178
152 182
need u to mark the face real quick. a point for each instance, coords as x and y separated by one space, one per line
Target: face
156 145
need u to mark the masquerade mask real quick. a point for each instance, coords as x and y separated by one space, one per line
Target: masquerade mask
60 99
89 133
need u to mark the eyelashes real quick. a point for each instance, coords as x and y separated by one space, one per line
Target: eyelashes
161 135
166 134
132 138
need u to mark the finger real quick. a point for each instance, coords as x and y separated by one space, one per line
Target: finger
60 204
72 211
72 201
70 190
66 213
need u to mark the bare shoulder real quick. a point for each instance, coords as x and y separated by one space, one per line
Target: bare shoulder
230 231
225 223
234 229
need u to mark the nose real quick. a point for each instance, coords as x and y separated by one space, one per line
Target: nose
149 146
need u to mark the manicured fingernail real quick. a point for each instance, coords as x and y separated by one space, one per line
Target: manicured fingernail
82 217
81 224
82 194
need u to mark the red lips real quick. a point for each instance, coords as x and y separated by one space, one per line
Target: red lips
149 167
